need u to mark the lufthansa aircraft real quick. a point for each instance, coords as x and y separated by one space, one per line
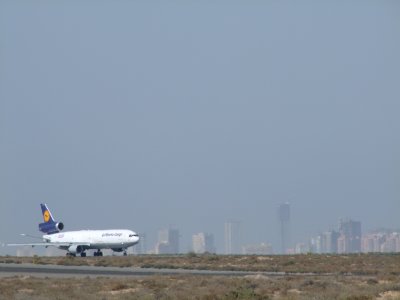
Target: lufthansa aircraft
77 242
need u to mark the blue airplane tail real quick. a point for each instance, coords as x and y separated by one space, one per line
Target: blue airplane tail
49 226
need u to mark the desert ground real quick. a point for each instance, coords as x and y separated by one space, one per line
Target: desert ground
311 276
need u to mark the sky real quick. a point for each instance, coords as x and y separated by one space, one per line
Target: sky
154 114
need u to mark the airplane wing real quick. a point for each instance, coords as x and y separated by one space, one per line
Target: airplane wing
49 244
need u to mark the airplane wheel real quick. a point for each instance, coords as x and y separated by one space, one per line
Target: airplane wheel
125 254
83 254
100 253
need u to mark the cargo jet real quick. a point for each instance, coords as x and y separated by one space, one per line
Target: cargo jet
77 242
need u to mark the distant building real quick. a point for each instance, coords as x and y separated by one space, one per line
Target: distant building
232 237
349 240
284 226
342 244
372 242
383 241
326 242
301 248
198 243
209 243
259 249
315 244
203 242
389 245
391 242
168 241
329 241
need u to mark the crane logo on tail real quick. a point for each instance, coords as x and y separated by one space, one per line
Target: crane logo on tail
46 216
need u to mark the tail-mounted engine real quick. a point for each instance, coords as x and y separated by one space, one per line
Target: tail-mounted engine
51 227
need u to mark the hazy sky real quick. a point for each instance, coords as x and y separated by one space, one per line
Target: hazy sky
145 114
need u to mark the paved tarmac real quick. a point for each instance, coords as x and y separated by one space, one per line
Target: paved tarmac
8 270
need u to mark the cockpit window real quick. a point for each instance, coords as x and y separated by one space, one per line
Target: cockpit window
131 235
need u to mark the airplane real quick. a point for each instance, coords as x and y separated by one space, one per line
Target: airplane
77 242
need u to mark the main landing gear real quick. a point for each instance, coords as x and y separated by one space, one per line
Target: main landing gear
125 253
83 254
98 253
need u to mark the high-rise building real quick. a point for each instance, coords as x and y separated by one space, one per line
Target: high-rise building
203 242
381 241
232 237
284 226
349 240
372 242
329 241
315 244
209 243
168 241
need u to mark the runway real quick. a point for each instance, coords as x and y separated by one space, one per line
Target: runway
8 270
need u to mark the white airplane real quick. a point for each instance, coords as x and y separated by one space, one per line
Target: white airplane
77 242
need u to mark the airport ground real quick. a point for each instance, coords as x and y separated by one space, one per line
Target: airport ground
364 276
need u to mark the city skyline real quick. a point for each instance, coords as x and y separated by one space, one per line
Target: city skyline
376 240
329 242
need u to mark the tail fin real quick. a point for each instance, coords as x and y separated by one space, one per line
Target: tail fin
49 225
47 216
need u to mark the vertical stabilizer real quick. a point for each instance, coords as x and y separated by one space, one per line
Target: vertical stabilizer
47 216
49 225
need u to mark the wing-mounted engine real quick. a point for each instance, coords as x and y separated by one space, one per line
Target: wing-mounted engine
51 227
75 249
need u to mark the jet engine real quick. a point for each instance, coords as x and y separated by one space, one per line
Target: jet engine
60 226
51 227
75 249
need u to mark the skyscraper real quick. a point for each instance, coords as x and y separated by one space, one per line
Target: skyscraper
168 241
203 242
284 226
350 236
329 241
232 237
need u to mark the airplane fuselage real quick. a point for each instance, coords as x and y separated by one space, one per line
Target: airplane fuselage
94 239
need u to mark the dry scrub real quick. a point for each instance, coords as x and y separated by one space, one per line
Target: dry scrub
364 276
201 287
